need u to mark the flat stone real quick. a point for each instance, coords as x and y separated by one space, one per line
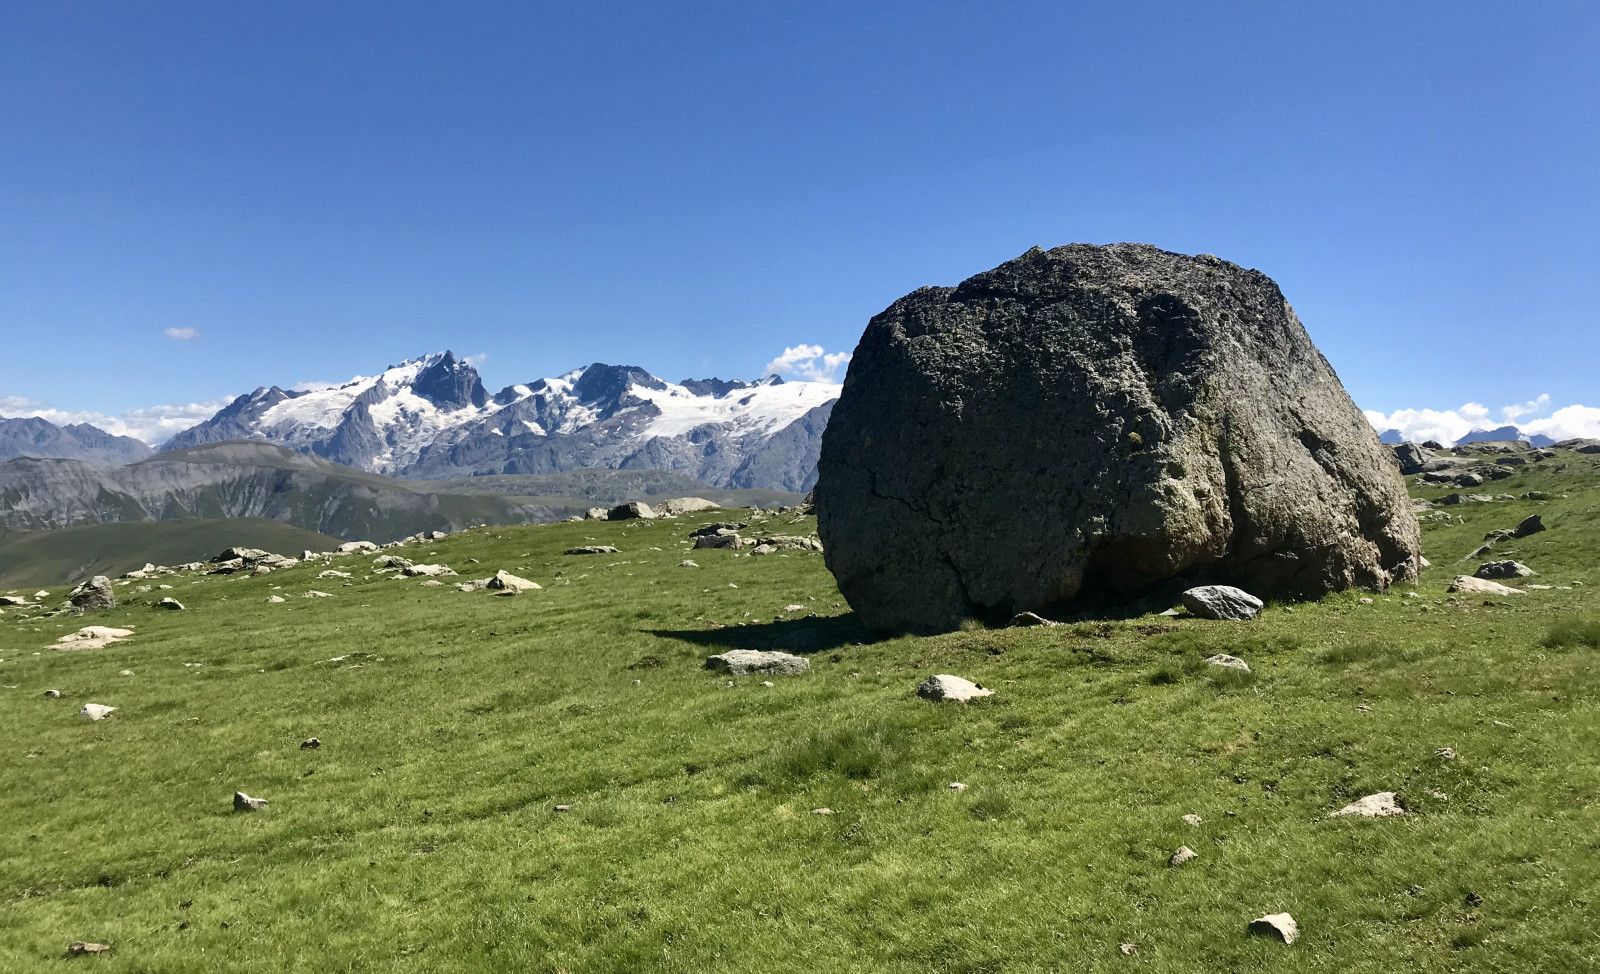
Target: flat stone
92 637
1030 619
591 549
1380 805
350 546
1192 819
53 694
822 811
1278 925
415 571
1182 856
1469 585
505 581
170 603
943 686
244 803
80 948
1504 569
275 599
562 808
1228 662
1222 602
686 563
743 662
717 541
95 711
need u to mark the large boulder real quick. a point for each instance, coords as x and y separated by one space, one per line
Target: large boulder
94 593
1090 425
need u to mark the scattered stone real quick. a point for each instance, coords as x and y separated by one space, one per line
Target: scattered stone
1192 819
53 694
717 541
1504 569
1469 585
274 599
1381 805
768 683
822 811
1532 524
505 581
630 511
943 687
1128 950
563 808
1466 499
592 549
1278 925
764 549
957 787
743 662
415 571
95 711
1446 753
244 803
722 528
1222 602
92 637
93 594
430 583
1228 662
1365 601
1030 619
310 744
387 561
686 563
79 948
350 546
314 594
1182 856
170 603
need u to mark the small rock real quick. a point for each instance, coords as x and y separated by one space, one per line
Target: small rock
743 662
686 563
506 582
1222 602
170 603
1183 855
1279 925
630 510
943 686
274 599
1473 899
1228 662
1532 524
1192 819
822 811
768 683
957 787
1366 601
244 803
79 948
1381 805
350 546
1029 619
53 694
1469 585
95 711
563 808
1504 569
430 583
591 549
314 594
1128 950
1446 753
310 743
93 594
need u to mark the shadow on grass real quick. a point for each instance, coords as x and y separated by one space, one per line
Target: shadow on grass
790 635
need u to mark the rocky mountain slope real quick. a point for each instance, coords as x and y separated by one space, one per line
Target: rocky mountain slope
431 417
243 479
34 437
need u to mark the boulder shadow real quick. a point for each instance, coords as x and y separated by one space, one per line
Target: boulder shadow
800 636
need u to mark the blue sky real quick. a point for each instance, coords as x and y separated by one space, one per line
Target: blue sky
312 191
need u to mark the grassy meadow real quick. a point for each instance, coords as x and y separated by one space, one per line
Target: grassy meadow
422 835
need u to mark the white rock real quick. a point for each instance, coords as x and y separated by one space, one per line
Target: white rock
1381 805
1481 586
314 594
1222 602
957 787
507 582
92 637
244 803
95 711
350 546
943 686
332 573
275 598
1228 662
170 603
742 662
1192 819
1183 855
1279 925
414 571
686 563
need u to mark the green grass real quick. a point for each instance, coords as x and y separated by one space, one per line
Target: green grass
421 835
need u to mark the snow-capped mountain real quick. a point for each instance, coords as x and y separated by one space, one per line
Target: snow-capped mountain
431 417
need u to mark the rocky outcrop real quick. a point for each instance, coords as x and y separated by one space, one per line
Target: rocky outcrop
95 593
1090 425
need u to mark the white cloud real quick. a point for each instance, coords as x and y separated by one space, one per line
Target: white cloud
476 360
1449 425
808 362
152 424
181 334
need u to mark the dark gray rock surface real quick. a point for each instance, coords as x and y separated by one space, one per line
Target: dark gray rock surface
93 594
1090 425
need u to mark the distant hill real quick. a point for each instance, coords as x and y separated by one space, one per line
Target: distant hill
33 558
34 437
249 479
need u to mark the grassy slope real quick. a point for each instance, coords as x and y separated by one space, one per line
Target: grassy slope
33 558
421 835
